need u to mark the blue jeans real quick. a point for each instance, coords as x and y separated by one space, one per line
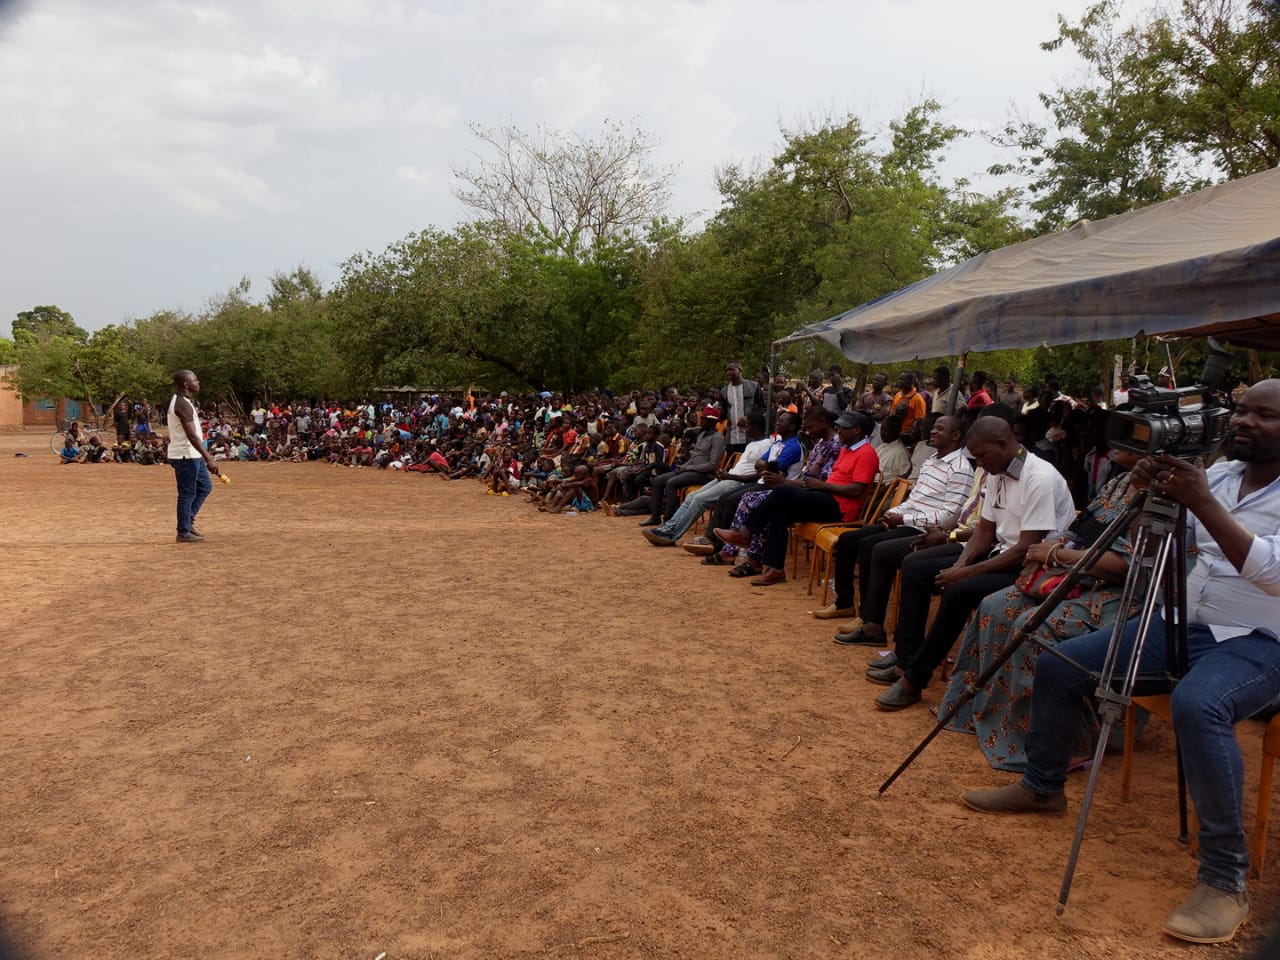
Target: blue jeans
694 505
1225 683
194 485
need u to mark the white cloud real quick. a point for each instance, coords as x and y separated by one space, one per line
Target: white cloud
246 136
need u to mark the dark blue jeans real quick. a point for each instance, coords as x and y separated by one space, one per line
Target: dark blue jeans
1226 682
194 485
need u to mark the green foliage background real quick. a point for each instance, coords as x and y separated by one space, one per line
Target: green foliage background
841 214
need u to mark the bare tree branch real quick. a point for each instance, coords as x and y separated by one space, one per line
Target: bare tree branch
574 190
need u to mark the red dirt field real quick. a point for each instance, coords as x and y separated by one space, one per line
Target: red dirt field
386 715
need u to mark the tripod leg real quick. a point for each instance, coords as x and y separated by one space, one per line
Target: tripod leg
1112 702
1175 605
1023 633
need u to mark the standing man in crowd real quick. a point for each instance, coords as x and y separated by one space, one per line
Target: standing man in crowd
191 462
908 402
740 398
836 397
875 402
121 417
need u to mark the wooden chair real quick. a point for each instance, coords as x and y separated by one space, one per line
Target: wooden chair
805 532
1161 706
824 541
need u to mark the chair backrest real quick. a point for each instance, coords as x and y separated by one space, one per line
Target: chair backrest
898 491
872 502
729 461
888 495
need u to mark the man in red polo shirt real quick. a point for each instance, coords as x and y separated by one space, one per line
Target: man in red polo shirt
839 497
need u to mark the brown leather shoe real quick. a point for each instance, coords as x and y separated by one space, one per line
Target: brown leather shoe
831 611
740 538
1209 915
1014 798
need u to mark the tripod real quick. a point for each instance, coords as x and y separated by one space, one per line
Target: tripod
1159 525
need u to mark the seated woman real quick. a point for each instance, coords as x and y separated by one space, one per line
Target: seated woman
1001 712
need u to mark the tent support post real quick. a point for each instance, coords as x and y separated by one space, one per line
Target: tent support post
954 395
768 391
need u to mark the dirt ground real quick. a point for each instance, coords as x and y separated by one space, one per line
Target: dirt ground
385 715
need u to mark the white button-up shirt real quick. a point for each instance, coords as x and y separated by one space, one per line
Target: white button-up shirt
1236 602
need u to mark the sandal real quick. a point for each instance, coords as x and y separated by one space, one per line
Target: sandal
743 569
715 560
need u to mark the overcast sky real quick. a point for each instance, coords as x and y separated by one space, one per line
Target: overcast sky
155 152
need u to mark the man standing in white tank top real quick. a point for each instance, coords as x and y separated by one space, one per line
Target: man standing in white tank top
191 462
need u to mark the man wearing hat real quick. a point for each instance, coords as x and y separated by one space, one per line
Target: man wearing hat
704 461
839 497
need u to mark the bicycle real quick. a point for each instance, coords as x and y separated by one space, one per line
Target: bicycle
58 439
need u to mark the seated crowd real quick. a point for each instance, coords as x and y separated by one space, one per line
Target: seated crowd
998 497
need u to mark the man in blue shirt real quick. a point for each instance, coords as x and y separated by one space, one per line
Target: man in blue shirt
782 455
1233 640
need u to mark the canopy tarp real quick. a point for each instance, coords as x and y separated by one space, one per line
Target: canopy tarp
1204 263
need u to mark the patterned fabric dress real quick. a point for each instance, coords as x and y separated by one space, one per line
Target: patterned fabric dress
822 458
1001 713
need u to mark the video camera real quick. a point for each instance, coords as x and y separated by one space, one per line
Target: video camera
1184 421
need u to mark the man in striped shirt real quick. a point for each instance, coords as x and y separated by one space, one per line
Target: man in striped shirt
945 479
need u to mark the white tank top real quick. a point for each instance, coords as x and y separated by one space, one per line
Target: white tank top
180 447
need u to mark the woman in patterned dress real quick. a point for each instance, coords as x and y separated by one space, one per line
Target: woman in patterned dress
1001 712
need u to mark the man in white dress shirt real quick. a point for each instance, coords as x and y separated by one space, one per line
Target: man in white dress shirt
1233 640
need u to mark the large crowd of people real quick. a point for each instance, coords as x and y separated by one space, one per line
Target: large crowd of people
1008 485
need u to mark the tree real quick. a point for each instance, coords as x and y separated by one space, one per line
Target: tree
8 352
46 366
837 218
48 320
571 191
442 308
1170 104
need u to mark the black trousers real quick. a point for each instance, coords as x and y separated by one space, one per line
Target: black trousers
854 551
783 507
919 653
666 489
722 513
920 565
633 483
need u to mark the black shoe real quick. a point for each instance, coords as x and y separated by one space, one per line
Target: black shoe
859 638
885 675
898 697
191 537
879 663
657 539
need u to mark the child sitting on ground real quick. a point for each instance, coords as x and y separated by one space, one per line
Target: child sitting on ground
580 493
